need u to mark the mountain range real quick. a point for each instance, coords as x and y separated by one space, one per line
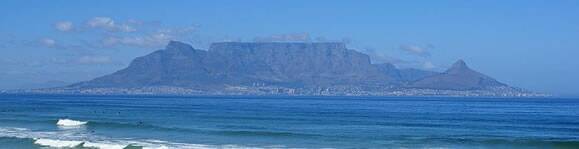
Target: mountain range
286 68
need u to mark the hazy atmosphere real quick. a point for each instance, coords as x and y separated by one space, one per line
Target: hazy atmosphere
530 44
275 74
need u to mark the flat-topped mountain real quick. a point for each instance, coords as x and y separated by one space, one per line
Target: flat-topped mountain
275 67
236 63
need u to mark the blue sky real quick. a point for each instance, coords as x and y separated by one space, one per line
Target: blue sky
531 44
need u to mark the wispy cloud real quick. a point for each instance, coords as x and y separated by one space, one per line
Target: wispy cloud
119 33
379 57
83 60
156 39
81 48
416 50
102 23
109 24
64 26
423 53
428 65
47 42
149 39
61 61
294 37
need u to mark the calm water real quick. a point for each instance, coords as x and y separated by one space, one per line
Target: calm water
29 121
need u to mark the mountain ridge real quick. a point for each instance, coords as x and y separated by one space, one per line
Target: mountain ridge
255 62
309 68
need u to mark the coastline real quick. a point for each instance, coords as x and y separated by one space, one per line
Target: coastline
127 92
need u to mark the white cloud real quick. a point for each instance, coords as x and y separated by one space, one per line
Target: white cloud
48 42
380 57
126 28
130 32
64 26
428 65
101 22
109 24
415 50
155 39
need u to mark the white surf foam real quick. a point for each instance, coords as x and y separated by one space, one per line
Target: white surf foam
65 139
53 143
101 145
70 123
58 143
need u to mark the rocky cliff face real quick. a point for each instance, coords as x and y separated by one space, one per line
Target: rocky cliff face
288 65
307 64
235 63
178 64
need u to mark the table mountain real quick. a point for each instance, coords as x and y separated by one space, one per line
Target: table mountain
237 63
273 67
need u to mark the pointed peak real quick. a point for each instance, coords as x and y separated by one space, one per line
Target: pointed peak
177 45
458 66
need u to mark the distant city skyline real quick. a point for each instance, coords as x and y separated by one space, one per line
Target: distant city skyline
528 44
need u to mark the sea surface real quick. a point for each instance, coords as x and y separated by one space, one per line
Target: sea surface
30 121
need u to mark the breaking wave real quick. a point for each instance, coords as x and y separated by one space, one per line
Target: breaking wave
57 139
70 123
58 143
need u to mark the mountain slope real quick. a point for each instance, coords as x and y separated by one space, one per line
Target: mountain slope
235 64
178 65
284 68
457 77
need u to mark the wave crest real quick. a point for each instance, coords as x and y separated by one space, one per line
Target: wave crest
62 139
70 123
54 143
58 143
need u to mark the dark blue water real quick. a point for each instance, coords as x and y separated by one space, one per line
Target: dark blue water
289 122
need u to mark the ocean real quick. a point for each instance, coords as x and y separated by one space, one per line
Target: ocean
109 122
